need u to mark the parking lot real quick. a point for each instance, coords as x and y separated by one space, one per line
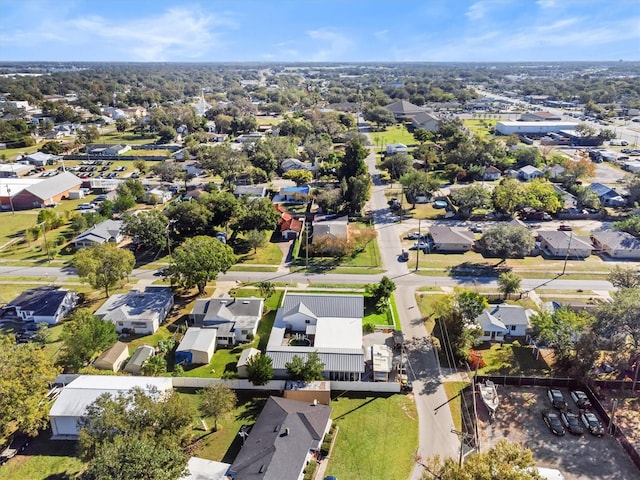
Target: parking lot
519 419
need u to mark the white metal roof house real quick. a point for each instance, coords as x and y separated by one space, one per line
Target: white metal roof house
109 231
393 148
112 358
282 441
235 319
76 396
138 311
41 305
197 346
330 325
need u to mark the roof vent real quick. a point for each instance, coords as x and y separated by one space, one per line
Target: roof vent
277 428
286 432
261 469
315 402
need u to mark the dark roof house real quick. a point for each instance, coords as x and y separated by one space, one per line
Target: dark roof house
282 440
103 232
43 304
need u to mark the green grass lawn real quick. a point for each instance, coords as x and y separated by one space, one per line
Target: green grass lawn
480 126
44 459
15 153
393 134
145 153
452 390
511 360
376 437
270 254
425 304
113 136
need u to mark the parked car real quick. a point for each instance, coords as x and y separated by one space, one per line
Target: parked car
420 246
414 236
581 400
477 228
592 423
17 444
557 399
552 419
565 228
571 422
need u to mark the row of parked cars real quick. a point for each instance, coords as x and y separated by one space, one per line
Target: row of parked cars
561 419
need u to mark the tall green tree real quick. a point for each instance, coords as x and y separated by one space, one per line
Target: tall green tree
508 283
560 329
83 337
149 227
25 373
104 266
470 304
621 317
456 333
470 198
260 369
199 260
624 276
154 366
505 460
256 239
308 370
418 184
217 400
136 435
256 214
505 241
508 196
397 165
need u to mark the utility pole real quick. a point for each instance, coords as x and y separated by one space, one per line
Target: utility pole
417 249
566 258
44 236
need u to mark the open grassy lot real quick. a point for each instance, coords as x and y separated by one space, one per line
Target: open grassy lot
144 153
111 135
393 134
44 459
270 254
376 437
15 153
510 359
480 127
452 390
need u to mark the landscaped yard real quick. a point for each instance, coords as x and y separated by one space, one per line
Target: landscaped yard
510 359
376 437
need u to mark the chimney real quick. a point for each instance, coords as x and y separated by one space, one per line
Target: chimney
286 432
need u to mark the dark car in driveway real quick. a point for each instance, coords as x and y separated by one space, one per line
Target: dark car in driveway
17 444
571 422
552 419
580 399
592 423
557 399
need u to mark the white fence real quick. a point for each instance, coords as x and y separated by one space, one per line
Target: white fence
378 387
234 384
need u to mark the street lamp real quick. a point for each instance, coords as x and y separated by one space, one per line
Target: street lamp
13 212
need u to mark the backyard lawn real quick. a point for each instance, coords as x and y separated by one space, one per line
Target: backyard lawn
393 134
44 459
510 359
376 437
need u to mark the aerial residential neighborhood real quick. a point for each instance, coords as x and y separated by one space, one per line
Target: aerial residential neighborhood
383 264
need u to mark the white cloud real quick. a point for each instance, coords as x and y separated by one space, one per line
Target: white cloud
381 34
333 45
546 3
477 11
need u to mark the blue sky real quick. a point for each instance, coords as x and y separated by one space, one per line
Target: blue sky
319 31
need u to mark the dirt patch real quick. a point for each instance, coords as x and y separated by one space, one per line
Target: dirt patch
519 419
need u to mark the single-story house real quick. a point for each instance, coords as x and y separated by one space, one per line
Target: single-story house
334 227
556 171
617 244
46 192
109 231
451 239
529 172
402 109
282 441
252 191
112 358
157 196
40 159
491 173
290 227
136 311
504 319
393 148
381 362
607 195
235 319
293 194
564 244
197 346
539 117
135 363
330 325
294 164
246 355
426 121
41 305
76 396
249 137
203 469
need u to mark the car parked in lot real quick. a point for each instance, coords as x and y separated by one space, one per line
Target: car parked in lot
557 399
565 228
592 423
420 246
580 399
571 422
17 444
552 419
477 228
415 235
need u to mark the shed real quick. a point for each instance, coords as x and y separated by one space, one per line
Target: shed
76 194
113 358
246 355
138 358
197 346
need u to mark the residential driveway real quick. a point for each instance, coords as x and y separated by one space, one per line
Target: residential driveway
519 419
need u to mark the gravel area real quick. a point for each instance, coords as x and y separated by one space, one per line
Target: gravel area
519 419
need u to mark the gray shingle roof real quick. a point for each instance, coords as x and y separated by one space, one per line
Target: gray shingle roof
334 360
101 232
617 240
279 441
343 306
444 234
43 301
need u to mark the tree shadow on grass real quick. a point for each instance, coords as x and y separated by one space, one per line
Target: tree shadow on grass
478 269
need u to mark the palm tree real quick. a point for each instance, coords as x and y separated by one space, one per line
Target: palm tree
508 283
154 366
